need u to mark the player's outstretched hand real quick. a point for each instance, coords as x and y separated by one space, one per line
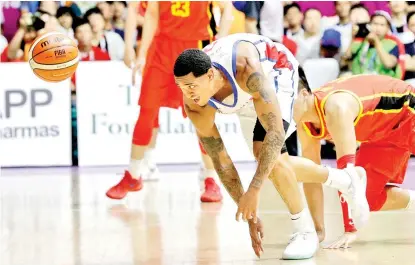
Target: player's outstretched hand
248 205
256 231
343 242
129 56
138 67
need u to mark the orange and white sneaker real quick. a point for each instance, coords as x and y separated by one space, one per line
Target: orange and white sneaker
212 191
127 184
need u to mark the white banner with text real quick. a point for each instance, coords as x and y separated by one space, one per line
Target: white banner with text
35 115
107 111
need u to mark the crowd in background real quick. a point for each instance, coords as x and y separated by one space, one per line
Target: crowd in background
362 36
329 39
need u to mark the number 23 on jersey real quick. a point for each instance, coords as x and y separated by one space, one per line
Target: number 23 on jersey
180 8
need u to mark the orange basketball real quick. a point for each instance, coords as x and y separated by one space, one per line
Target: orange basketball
53 57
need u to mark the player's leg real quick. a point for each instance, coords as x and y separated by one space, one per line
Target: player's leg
153 88
149 167
315 200
142 134
387 166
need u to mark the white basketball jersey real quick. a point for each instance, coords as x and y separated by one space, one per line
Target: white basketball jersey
277 62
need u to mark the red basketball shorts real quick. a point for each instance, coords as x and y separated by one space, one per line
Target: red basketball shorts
385 162
158 88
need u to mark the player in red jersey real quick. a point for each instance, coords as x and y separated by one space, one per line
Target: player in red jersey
169 28
375 110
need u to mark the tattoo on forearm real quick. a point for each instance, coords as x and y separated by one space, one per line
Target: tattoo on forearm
256 183
225 169
271 147
255 83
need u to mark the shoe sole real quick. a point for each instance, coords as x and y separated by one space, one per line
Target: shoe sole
120 198
207 200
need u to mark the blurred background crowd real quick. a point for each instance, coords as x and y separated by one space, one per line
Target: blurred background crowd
357 36
329 38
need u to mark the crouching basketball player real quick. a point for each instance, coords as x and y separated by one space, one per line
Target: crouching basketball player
250 75
377 111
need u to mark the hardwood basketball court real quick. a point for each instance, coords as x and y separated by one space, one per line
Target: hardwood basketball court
62 217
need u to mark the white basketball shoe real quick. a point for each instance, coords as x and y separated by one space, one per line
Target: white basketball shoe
356 195
302 245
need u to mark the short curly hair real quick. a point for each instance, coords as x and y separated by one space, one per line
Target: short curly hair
192 61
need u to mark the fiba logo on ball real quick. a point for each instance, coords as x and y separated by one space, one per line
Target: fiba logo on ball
54 57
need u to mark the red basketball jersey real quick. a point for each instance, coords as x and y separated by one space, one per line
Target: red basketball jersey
183 20
385 102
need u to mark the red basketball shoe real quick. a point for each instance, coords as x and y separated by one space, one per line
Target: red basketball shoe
128 183
212 191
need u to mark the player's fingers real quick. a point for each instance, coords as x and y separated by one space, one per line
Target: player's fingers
255 218
246 215
134 72
261 233
238 214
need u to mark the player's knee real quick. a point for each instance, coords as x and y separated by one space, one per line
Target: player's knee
376 199
281 170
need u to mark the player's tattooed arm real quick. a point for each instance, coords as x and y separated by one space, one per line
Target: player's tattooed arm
252 78
204 121
223 164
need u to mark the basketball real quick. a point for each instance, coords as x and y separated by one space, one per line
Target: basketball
53 57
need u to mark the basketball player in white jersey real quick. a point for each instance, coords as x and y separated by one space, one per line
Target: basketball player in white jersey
257 79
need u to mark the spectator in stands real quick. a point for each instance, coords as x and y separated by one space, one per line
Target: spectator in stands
266 18
294 18
308 42
66 17
344 26
398 14
359 14
107 12
30 26
410 50
330 44
49 7
118 18
84 35
106 40
376 53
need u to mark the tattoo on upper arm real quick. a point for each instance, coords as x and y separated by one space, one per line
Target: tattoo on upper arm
255 83
225 169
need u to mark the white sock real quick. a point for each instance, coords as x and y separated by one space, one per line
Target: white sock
135 167
302 221
338 179
211 173
149 155
411 204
